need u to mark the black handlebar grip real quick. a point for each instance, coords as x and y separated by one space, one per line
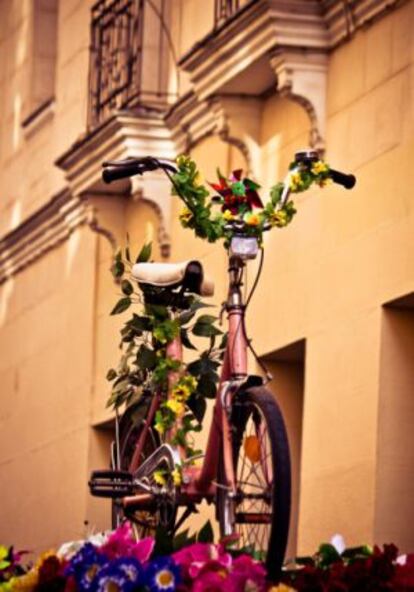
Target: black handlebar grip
112 173
347 181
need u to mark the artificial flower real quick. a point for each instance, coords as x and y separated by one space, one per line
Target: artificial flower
319 167
185 215
175 406
162 575
248 574
181 392
252 218
237 191
5 560
159 478
228 216
123 574
84 566
177 477
295 182
211 582
278 218
122 543
201 556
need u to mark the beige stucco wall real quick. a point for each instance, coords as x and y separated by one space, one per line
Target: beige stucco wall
325 281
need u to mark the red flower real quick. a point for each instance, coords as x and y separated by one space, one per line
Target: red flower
237 191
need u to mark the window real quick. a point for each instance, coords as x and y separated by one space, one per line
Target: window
42 59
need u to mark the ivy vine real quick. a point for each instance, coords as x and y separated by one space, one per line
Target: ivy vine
144 365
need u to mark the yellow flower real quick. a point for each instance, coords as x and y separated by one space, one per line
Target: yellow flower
181 392
198 180
183 160
176 406
228 215
160 428
295 181
25 583
252 218
319 167
176 475
159 478
278 218
324 182
191 382
282 588
185 215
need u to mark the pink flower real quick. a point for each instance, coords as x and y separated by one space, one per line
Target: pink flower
247 575
211 582
121 543
202 557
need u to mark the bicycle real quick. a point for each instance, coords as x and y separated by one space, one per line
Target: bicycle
246 465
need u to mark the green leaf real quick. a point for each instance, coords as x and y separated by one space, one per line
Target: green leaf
206 534
126 287
186 316
146 358
198 406
185 340
127 251
111 374
144 254
117 269
327 554
121 305
206 386
203 329
139 323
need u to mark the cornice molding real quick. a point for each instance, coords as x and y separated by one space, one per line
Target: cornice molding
262 26
344 19
294 37
44 230
127 133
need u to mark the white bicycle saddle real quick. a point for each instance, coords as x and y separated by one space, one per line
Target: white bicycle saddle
169 275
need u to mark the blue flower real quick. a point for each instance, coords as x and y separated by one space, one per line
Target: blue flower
162 575
123 574
85 565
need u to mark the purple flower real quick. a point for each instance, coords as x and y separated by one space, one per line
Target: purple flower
123 574
84 566
162 575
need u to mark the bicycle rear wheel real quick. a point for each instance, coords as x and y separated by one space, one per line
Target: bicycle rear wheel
260 512
145 522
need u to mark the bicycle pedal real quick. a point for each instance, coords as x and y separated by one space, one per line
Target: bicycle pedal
112 484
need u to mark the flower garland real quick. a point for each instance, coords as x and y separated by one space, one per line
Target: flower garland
145 366
238 200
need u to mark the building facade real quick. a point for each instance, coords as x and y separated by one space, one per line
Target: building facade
235 84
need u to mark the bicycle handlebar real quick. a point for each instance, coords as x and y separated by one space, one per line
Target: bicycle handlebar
347 181
122 169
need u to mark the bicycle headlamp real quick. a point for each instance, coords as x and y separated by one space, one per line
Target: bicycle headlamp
245 247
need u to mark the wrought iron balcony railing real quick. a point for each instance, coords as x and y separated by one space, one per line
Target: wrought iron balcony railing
223 10
118 77
115 58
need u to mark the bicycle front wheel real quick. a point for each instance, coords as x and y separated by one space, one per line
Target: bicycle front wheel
260 511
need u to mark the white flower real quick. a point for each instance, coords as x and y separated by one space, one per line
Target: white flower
338 542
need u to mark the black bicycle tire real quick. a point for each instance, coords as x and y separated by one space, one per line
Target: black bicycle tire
261 398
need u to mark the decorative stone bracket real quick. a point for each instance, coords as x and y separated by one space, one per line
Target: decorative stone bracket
301 77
